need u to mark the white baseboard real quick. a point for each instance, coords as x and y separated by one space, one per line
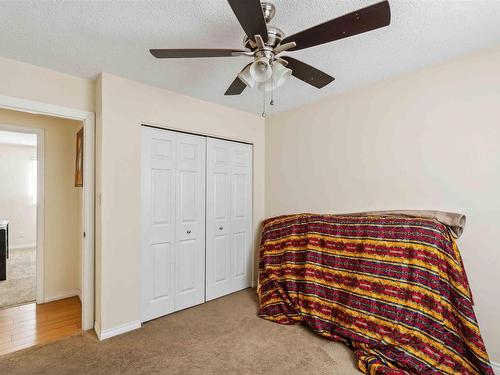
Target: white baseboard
496 367
23 246
110 332
60 295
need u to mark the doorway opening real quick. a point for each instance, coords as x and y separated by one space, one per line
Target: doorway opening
60 301
18 217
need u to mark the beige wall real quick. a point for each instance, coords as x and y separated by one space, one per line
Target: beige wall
62 220
16 197
125 105
428 140
31 82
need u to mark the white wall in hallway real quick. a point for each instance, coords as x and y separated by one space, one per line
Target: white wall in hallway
16 193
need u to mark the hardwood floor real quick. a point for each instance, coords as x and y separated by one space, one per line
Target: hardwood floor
27 325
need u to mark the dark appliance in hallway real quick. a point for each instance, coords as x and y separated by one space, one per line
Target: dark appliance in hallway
4 248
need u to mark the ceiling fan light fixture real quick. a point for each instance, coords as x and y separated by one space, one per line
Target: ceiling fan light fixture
261 70
246 77
280 74
264 43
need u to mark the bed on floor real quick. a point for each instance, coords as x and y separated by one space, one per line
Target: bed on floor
391 287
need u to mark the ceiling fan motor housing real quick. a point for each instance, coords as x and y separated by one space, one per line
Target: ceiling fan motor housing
274 37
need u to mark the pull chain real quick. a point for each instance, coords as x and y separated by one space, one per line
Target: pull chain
272 94
264 103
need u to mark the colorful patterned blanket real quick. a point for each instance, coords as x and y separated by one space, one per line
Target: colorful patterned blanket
392 288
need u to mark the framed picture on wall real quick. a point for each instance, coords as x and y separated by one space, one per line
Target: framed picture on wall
79 159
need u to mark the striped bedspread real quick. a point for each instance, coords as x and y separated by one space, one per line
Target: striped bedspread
392 288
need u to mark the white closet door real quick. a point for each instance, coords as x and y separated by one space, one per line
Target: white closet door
173 222
241 216
158 223
190 244
229 217
218 258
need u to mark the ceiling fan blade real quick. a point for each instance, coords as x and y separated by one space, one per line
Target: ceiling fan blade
250 16
360 21
236 87
190 53
308 73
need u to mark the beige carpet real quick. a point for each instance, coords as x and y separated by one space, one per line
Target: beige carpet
220 337
20 286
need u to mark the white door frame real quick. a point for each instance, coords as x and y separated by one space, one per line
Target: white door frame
40 147
88 119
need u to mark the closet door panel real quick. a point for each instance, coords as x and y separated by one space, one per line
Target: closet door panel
157 223
218 255
241 218
162 259
240 254
219 228
187 266
221 254
190 221
229 217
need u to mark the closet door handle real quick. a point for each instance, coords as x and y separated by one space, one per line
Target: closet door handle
221 228
188 231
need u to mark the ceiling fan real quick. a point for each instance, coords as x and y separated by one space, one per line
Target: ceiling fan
264 43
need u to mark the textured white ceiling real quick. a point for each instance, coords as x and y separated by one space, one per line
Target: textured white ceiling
86 37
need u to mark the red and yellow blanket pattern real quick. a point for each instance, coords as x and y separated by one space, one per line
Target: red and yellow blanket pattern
392 288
